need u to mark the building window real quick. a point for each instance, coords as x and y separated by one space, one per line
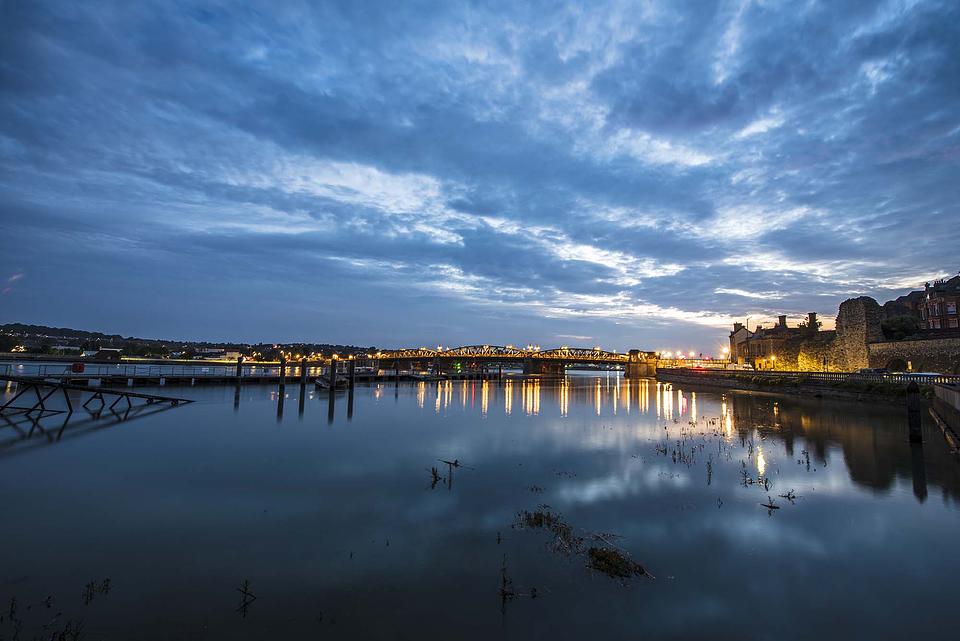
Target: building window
952 309
934 323
923 313
952 322
935 309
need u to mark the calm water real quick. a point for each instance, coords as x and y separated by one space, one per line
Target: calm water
341 533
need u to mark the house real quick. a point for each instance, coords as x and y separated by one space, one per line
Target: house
938 307
760 347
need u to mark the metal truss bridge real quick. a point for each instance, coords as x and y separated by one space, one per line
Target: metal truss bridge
635 362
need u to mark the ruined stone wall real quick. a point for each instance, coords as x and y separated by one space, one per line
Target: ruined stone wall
926 355
817 351
808 353
858 325
858 342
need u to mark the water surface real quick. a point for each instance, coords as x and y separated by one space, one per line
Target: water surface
339 529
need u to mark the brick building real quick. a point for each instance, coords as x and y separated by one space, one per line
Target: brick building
938 307
760 347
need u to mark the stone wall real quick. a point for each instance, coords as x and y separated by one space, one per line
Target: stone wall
813 353
925 355
845 350
858 324
858 342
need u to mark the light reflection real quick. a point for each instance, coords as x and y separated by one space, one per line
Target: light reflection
616 395
508 398
565 397
530 396
727 419
597 398
484 397
421 393
436 406
761 461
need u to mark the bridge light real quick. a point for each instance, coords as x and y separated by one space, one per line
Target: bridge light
692 353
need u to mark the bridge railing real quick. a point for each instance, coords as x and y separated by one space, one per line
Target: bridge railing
831 377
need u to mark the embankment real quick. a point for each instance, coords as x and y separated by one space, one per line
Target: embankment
794 383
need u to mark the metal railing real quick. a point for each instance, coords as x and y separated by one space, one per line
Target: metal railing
60 370
949 394
827 377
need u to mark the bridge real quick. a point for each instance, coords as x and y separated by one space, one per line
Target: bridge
552 362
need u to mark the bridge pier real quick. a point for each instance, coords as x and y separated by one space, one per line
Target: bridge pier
640 364
547 369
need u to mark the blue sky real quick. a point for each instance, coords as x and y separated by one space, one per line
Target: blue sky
623 174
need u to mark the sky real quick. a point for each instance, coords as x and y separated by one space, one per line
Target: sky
622 174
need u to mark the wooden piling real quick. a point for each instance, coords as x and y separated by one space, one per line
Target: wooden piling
239 368
330 406
913 412
283 370
303 372
352 372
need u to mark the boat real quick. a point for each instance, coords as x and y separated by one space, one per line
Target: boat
322 382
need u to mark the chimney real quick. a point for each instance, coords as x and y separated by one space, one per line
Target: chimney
783 320
737 327
812 321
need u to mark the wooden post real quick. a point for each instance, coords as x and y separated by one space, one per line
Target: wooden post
283 370
303 386
352 372
333 373
913 412
239 368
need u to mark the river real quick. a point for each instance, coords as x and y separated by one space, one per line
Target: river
754 516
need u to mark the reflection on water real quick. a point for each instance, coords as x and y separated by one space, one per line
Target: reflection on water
773 510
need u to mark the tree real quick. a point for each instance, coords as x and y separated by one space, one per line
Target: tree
7 343
897 327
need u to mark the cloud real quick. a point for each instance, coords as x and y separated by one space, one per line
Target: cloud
629 173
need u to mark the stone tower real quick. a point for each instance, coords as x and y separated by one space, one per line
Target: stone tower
858 324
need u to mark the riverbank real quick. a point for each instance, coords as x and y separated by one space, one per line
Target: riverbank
800 385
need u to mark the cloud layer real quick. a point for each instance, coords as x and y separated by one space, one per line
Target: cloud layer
631 174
